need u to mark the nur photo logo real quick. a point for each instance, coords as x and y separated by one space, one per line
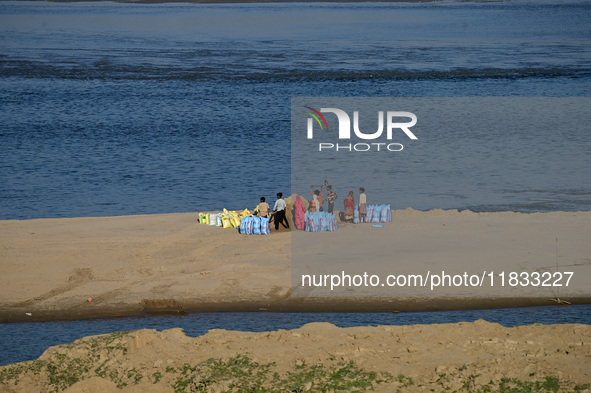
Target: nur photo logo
396 123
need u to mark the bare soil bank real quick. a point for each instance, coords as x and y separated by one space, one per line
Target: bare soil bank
462 357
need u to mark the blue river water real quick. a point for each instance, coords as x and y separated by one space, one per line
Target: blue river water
114 109
16 346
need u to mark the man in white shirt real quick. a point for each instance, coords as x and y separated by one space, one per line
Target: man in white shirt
362 205
279 211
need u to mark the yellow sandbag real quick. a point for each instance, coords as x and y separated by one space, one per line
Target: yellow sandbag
203 217
235 221
245 213
226 223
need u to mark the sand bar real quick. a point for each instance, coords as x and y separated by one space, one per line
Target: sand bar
132 265
463 357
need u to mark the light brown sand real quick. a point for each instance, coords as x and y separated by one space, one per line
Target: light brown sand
171 263
465 357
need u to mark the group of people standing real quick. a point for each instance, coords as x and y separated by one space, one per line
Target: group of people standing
279 209
317 202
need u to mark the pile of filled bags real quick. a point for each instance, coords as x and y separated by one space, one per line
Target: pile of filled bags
319 221
227 219
244 221
253 225
375 214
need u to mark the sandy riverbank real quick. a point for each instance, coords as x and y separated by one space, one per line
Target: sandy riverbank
462 357
131 265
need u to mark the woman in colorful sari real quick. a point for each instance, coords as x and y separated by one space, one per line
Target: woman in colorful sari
349 206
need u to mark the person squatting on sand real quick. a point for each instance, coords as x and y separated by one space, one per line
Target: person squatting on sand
330 198
279 212
315 203
362 204
263 208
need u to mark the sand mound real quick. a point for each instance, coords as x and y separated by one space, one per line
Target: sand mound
316 357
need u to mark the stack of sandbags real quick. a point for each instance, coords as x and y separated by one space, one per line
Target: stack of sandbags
320 221
379 213
252 225
233 219
375 214
226 219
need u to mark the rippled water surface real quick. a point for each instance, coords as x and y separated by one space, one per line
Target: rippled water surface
110 109
14 346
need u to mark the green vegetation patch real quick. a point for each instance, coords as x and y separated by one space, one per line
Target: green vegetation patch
241 374
98 356
508 385
63 370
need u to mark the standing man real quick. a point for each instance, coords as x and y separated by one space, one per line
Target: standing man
331 197
362 205
279 211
